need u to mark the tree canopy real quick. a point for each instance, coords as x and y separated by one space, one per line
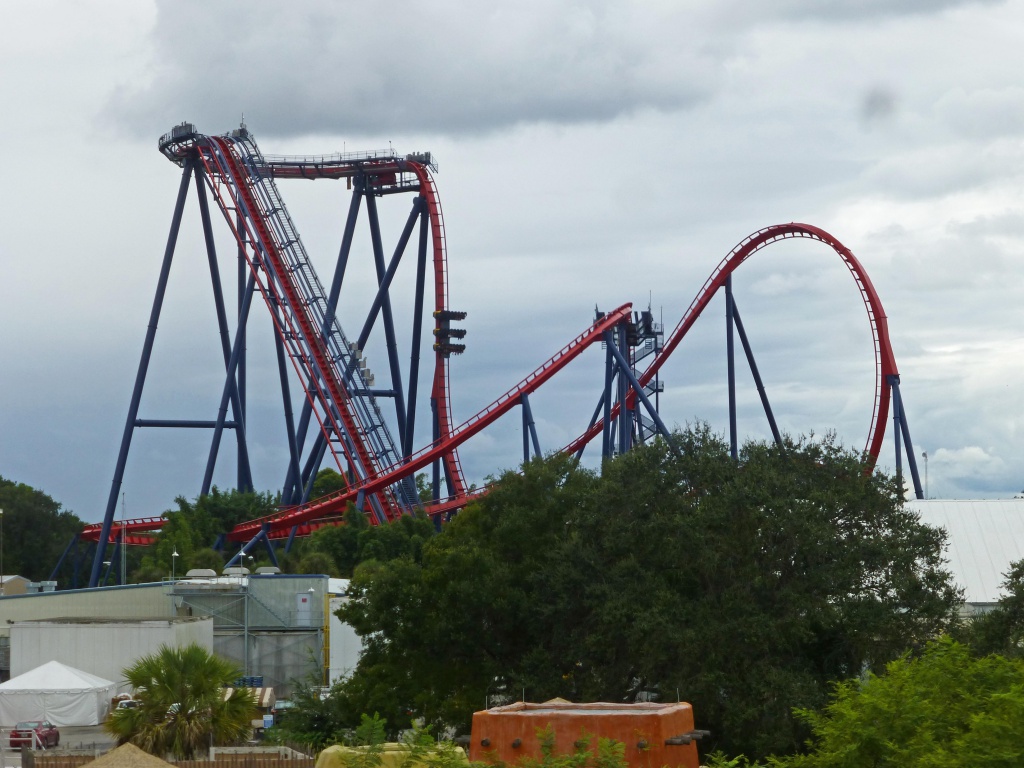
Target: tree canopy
1000 630
945 708
357 541
36 529
191 529
743 587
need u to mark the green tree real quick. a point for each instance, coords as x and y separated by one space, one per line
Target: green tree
1000 630
317 562
313 719
357 541
36 529
746 587
945 708
193 527
208 558
327 481
182 705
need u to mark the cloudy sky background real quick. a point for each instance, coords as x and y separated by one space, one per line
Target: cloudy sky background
590 154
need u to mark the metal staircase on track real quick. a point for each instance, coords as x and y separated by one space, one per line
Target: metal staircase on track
351 415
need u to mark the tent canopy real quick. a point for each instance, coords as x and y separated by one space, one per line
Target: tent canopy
58 693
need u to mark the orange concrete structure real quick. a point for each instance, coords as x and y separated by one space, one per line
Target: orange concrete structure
655 735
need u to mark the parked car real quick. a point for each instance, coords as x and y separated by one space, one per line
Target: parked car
280 708
128 704
35 733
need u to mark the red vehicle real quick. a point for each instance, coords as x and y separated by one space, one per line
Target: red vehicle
35 733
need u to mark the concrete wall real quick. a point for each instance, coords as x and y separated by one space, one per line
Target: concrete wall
99 647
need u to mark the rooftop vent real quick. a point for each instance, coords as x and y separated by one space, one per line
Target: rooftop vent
201 573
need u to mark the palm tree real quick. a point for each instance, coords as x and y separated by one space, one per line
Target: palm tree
182 708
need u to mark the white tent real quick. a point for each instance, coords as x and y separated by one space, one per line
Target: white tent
58 693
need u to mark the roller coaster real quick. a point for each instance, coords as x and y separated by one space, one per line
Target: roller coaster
368 429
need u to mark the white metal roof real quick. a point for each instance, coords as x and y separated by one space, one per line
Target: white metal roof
984 537
55 676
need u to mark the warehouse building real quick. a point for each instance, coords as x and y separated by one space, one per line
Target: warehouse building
985 536
276 626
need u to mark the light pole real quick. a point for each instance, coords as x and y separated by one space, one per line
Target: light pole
124 544
925 456
174 560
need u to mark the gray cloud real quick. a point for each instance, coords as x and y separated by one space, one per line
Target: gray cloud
868 9
589 154
447 67
444 67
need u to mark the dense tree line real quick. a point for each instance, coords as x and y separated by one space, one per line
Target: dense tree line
36 529
945 708
744 587
192 528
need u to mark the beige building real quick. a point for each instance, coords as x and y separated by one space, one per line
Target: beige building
13 585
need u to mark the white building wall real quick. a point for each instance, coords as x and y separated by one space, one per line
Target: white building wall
102 648
345 645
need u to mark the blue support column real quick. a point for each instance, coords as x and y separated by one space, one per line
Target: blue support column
731 364
389 323
269 545
904 430
244 470
897 430
417 332
624 426
609 375
388 277
529 429
140 377
312 468
286 397
757 376
625 370
63 556
236 559
222 411
244 473
81 556
593 421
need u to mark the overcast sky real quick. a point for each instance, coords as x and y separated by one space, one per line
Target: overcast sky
590 154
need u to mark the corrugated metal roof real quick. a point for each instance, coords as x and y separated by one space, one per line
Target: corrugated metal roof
984 537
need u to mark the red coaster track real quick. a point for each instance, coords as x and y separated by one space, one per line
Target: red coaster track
885 361
241 180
